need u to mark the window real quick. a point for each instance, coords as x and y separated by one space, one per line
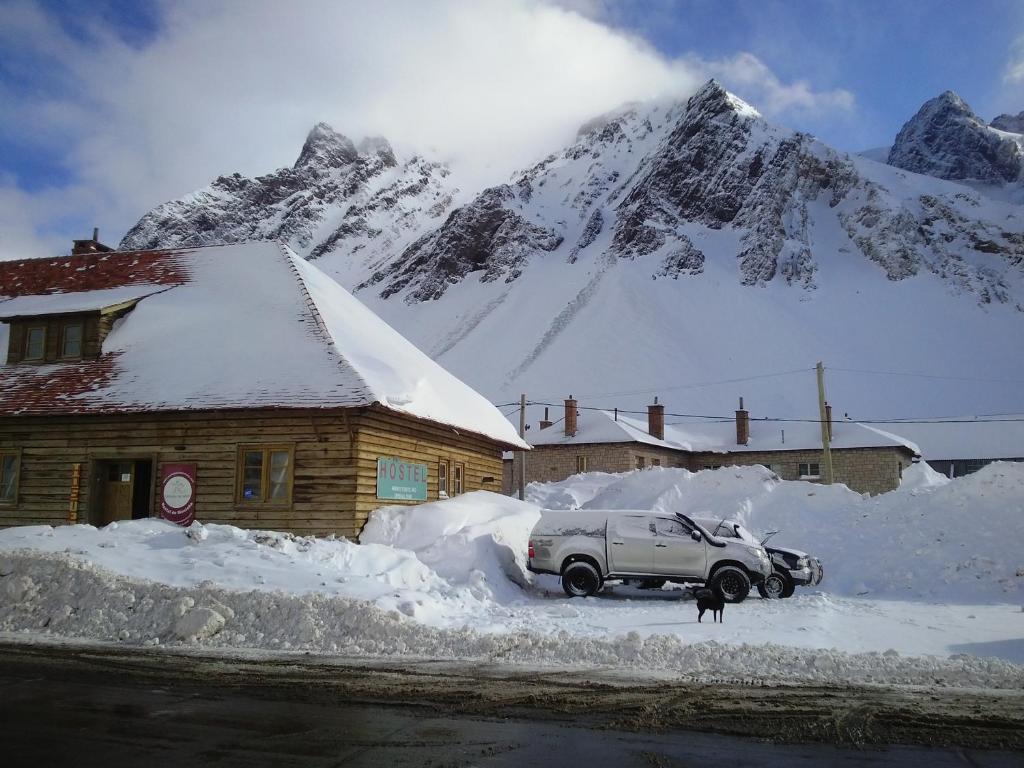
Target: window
71 340
810 470
641 462
9 466
442 479
35 343
581 464
265 474
655 462
712 466
633 527
671 527
457 474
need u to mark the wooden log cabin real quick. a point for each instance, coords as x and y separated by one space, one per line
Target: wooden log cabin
234 384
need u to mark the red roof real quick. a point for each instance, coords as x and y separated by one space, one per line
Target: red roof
249 325
91 272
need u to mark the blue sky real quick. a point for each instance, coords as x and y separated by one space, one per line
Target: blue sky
123 104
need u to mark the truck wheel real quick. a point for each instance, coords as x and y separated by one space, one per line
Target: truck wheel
790 588
774 586
580 579
730 583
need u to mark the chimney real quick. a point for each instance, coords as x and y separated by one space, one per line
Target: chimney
570 417
545 422
656 420
742 425
828 419
80 247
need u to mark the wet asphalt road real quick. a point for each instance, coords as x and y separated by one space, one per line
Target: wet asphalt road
73 707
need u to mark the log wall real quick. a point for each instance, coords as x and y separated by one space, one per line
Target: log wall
334 485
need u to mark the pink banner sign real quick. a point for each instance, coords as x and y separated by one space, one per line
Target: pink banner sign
178 493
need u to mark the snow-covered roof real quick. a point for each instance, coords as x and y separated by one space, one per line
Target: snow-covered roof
237 326
599 426
80 301
995 438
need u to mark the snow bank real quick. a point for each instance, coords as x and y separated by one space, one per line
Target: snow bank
446 580
97 604
478 539
932 538
238 559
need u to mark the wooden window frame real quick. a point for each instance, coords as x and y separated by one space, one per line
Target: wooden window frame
16 453
458 478
641 462
24 347
267 449
808 475
63 339
442 493
581 464
655 462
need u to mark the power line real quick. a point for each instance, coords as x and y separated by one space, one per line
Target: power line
720 418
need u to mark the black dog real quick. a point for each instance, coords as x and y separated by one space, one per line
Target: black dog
707 600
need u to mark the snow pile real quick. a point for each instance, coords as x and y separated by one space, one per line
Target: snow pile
448 580
478 539
238 559
97 604
943 540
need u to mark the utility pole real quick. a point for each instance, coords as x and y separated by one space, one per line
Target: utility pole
826 448
522 454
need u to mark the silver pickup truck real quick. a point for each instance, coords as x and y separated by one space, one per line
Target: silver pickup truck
589 547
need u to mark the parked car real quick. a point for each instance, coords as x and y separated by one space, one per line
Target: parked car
587 548
791 568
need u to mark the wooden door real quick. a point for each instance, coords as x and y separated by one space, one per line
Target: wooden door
117 491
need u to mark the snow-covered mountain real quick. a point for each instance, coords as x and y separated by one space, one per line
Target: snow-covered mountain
1009 123
668 246
338 196
947 140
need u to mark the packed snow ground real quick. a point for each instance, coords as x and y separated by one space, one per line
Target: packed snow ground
448 580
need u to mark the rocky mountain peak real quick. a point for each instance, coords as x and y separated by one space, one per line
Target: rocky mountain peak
1009 123
712 99
947 140
378 145
326 148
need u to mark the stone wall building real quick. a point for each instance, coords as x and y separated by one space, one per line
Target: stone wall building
588 440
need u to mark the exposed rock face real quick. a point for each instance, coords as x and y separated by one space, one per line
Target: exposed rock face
483 236
677 190
379 203
638 183
947 140
1009 123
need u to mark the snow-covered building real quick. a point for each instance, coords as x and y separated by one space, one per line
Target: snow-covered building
237 383
958 447
587 440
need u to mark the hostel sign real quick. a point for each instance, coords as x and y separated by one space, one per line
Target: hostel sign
400 480
178 493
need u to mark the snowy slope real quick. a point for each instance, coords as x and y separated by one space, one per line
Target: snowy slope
673 244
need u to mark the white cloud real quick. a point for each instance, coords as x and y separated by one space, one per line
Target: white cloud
235 86
1015 66
748 74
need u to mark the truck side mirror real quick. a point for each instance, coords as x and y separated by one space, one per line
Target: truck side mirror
695 535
